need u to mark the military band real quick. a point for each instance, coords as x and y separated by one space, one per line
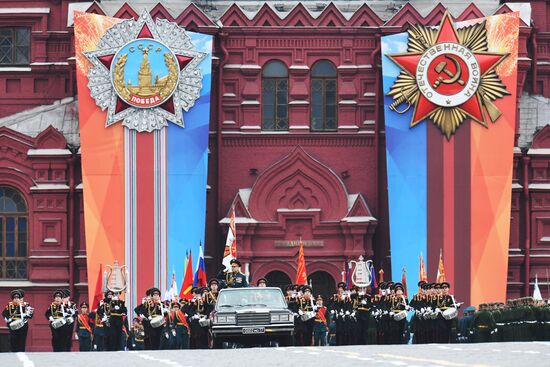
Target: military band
355 316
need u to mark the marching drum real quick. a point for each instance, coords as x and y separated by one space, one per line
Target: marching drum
16 324
204 322
400 315
450 313
157 321
308 315
57 323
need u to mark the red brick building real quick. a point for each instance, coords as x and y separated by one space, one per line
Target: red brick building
296 139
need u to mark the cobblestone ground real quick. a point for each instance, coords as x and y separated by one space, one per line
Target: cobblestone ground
455 355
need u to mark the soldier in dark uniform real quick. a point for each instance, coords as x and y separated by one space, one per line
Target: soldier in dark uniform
339 306
113 312
69 308
382 306
197 311
154 311
397 304
418 303
17 313
233 278
136 337
304 334
140 311
53 314
363 316
213 286
446 329
84 329
97 340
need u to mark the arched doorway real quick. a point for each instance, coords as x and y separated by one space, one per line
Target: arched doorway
278 278
323 283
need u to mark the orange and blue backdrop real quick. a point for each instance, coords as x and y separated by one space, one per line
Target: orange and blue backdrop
144 193
455 194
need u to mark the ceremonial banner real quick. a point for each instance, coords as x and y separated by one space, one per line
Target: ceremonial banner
144 103
450 112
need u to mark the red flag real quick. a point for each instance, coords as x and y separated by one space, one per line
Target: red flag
187 283
301 274
98 294
440 269
404 282
422 271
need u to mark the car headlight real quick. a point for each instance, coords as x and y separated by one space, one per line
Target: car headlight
231 319
285 317
221 319
280 317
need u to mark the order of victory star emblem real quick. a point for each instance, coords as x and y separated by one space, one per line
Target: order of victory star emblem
448 76
145 73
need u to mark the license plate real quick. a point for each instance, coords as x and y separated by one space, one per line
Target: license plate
253 330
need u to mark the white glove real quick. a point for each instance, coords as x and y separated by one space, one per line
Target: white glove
391 313
347 313
104 318
315 308
142 316
117 308
75 336
363 302
332 312
300 312
195 317
150 318
8 320
50 318
353 314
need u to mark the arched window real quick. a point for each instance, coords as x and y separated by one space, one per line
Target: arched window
275 96
13 234
323 96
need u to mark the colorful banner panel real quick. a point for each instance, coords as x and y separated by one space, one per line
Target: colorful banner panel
144 105
450 112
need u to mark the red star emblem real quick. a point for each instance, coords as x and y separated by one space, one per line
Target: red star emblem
423 106
107 60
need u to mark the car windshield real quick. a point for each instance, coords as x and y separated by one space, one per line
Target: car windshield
251 297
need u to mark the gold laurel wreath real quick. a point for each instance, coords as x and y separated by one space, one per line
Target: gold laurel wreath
171 80
118 77
448 119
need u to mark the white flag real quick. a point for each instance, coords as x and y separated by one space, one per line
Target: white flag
537 296
173 291
230 251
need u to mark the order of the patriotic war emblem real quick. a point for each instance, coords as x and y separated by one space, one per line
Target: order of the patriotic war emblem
145 73
448 76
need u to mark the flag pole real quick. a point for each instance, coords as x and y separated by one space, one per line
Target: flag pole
547 285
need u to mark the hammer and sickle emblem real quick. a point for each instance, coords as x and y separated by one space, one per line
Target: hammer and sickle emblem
453 78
